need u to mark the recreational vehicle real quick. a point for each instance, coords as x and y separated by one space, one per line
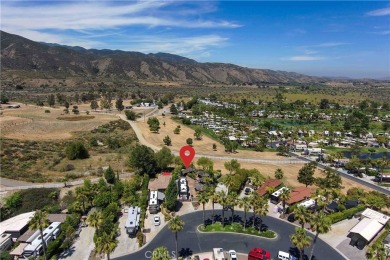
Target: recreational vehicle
35 248
154 206
132 222
274 198
382 177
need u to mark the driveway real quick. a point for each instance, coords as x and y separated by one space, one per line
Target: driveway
192 242
82 248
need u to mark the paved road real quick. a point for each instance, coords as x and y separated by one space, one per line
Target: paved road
350 177
193 242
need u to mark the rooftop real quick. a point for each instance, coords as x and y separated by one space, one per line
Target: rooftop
268 183
160 183
299 194
16 223
372 214
367 228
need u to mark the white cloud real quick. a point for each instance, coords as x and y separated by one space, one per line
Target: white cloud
380 12
304 58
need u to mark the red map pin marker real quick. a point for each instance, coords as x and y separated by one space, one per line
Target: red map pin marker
187 153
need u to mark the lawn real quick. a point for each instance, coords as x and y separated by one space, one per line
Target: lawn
237 228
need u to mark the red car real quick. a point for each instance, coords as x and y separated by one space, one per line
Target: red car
259 254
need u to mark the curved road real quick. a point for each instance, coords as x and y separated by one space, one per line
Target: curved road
192 242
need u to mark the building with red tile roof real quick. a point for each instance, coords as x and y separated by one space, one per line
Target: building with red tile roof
274 183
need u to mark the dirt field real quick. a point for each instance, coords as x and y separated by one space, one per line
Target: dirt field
205 147
32 123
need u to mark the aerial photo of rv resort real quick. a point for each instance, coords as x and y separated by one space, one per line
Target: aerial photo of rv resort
153 130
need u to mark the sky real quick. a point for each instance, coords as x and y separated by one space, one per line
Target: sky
319 38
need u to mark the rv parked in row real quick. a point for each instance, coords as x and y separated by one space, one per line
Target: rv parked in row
132 222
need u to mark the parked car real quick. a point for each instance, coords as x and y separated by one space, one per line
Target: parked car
285 256
247 191
156 220
232 255
291 217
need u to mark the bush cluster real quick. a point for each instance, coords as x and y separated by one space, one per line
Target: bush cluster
349 213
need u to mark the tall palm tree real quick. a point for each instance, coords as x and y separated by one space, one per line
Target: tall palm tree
232 201
261 210
81 196
39 221
301 240
106 243
213 197
203 198
284 196
228 180
95 219
254 198
321 224
246 204
176 225
222 199
302 215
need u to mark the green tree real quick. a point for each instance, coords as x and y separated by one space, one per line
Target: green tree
261 210
106 243
189 141
222 199
154 124
109 175
167 141
203 198
143 160
161 253
279 174
173 109
322 225
95 219
301 240
306 174
198 134
246 204
94 105
119 104
130 115
302 215
176 225
39 221
206 164
164 158
177 130
232 166
171 195
51 100
284 196
76 150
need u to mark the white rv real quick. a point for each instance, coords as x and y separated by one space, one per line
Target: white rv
154 206
132 222
274 198
35 248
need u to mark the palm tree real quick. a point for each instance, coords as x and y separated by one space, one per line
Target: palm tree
106 243
254 198
95 219
232 201
161 253
228 180
39 221
203 198
176 225
302 215
222 199
301 240
80 196
246 204
321 224
261 210
213 198
284 196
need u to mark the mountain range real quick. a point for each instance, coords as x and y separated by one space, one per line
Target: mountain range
20 55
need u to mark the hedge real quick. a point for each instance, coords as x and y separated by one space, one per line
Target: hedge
349 213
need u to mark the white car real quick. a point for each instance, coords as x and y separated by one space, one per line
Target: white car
232 255
156 220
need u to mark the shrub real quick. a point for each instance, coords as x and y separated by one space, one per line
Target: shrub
349 213
68 167
47 111
76 150
130 115
189 141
